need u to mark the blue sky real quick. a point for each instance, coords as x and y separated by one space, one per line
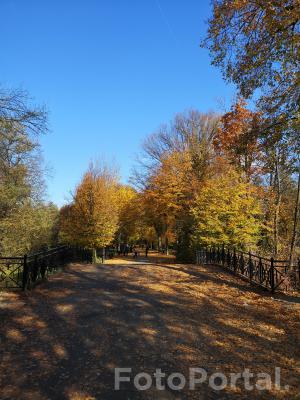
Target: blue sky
109 72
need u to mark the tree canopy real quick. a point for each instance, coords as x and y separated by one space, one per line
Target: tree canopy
257 46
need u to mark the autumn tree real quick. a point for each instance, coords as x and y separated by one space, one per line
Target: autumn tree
167 193
189 200
256 44
30 229
267 162
91 220
27 223
191 131
130 213
237 138
227 210
174 160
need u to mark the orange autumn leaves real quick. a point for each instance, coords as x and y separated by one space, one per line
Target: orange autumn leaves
201 190
237 138
214 200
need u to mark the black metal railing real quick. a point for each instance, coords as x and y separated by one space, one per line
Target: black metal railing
24 272
266 272
11 272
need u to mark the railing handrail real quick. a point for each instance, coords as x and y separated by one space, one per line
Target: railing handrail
24 272
266 272
269 260
41 253
48 251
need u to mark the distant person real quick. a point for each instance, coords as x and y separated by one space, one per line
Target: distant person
147 250
135 252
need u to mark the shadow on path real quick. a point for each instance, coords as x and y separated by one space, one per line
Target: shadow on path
64 339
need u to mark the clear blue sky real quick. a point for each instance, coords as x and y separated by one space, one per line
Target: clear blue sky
109 72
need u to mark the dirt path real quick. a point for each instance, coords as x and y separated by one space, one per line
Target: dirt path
64 339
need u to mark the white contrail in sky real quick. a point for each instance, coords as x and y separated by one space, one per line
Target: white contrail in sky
165 19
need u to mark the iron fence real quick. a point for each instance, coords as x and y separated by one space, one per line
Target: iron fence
11 272
24 272
269 273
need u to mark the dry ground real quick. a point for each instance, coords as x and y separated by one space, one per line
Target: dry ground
64 339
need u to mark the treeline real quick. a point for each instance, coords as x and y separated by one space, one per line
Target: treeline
211 180
202 179
257 45
232 178
27 222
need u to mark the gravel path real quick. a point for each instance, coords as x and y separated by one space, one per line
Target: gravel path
64 339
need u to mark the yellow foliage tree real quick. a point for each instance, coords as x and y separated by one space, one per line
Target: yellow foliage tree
167 192
129 214
227 210
91 220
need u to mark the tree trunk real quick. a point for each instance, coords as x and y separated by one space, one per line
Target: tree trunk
276 220
94 259
159 243
295 225
167 246
277 183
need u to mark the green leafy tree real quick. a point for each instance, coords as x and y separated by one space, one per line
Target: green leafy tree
22 189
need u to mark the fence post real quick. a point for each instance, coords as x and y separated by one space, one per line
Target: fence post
272 278
260 270
25 273
250 268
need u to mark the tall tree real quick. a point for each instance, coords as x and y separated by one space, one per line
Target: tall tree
191 131
257 44
91 220
227 210
175 159
168 191
16 108
21 174
295 222
238 138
